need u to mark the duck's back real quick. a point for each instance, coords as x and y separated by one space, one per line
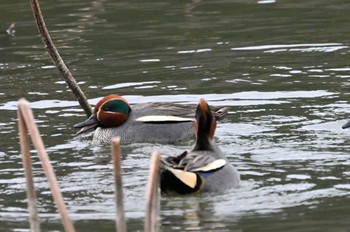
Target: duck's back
223 180
219 180
160 108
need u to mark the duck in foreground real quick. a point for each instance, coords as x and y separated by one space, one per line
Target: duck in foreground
148 122
205 168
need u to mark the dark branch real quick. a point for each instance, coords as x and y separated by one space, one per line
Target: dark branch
57 60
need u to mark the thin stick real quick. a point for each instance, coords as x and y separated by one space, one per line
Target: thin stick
57 60
27 165
116 155
27 115
151 220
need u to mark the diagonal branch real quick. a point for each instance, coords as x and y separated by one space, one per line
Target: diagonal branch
57 59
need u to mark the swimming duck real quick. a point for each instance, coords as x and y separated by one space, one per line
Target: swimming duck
205 168
148 122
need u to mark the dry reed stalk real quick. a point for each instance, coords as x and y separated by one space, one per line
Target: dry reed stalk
116 155
28 119
151 219
27 165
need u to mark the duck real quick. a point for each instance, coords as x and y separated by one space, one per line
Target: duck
204 169
151 122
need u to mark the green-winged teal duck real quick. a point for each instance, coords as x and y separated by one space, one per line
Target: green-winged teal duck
205 168
148 122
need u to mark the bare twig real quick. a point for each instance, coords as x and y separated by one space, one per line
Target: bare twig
116 155
27 116
57 60
27 165
151 220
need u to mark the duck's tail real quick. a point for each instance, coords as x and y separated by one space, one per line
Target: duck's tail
174 181
219 112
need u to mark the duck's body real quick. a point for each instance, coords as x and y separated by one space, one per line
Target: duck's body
205 168
135 131
148 122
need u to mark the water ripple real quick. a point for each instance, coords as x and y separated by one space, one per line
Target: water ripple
319 47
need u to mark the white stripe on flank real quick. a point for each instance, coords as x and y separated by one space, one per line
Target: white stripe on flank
162 118
211 166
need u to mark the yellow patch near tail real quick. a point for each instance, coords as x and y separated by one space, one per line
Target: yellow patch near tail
212 166
188 178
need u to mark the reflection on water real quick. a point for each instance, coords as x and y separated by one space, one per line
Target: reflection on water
281 68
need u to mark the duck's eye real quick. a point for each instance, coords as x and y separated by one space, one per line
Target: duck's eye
106 108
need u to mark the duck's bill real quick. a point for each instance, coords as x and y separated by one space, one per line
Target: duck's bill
89 124
346 125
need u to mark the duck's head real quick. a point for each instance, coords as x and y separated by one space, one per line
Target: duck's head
204 125
110 111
